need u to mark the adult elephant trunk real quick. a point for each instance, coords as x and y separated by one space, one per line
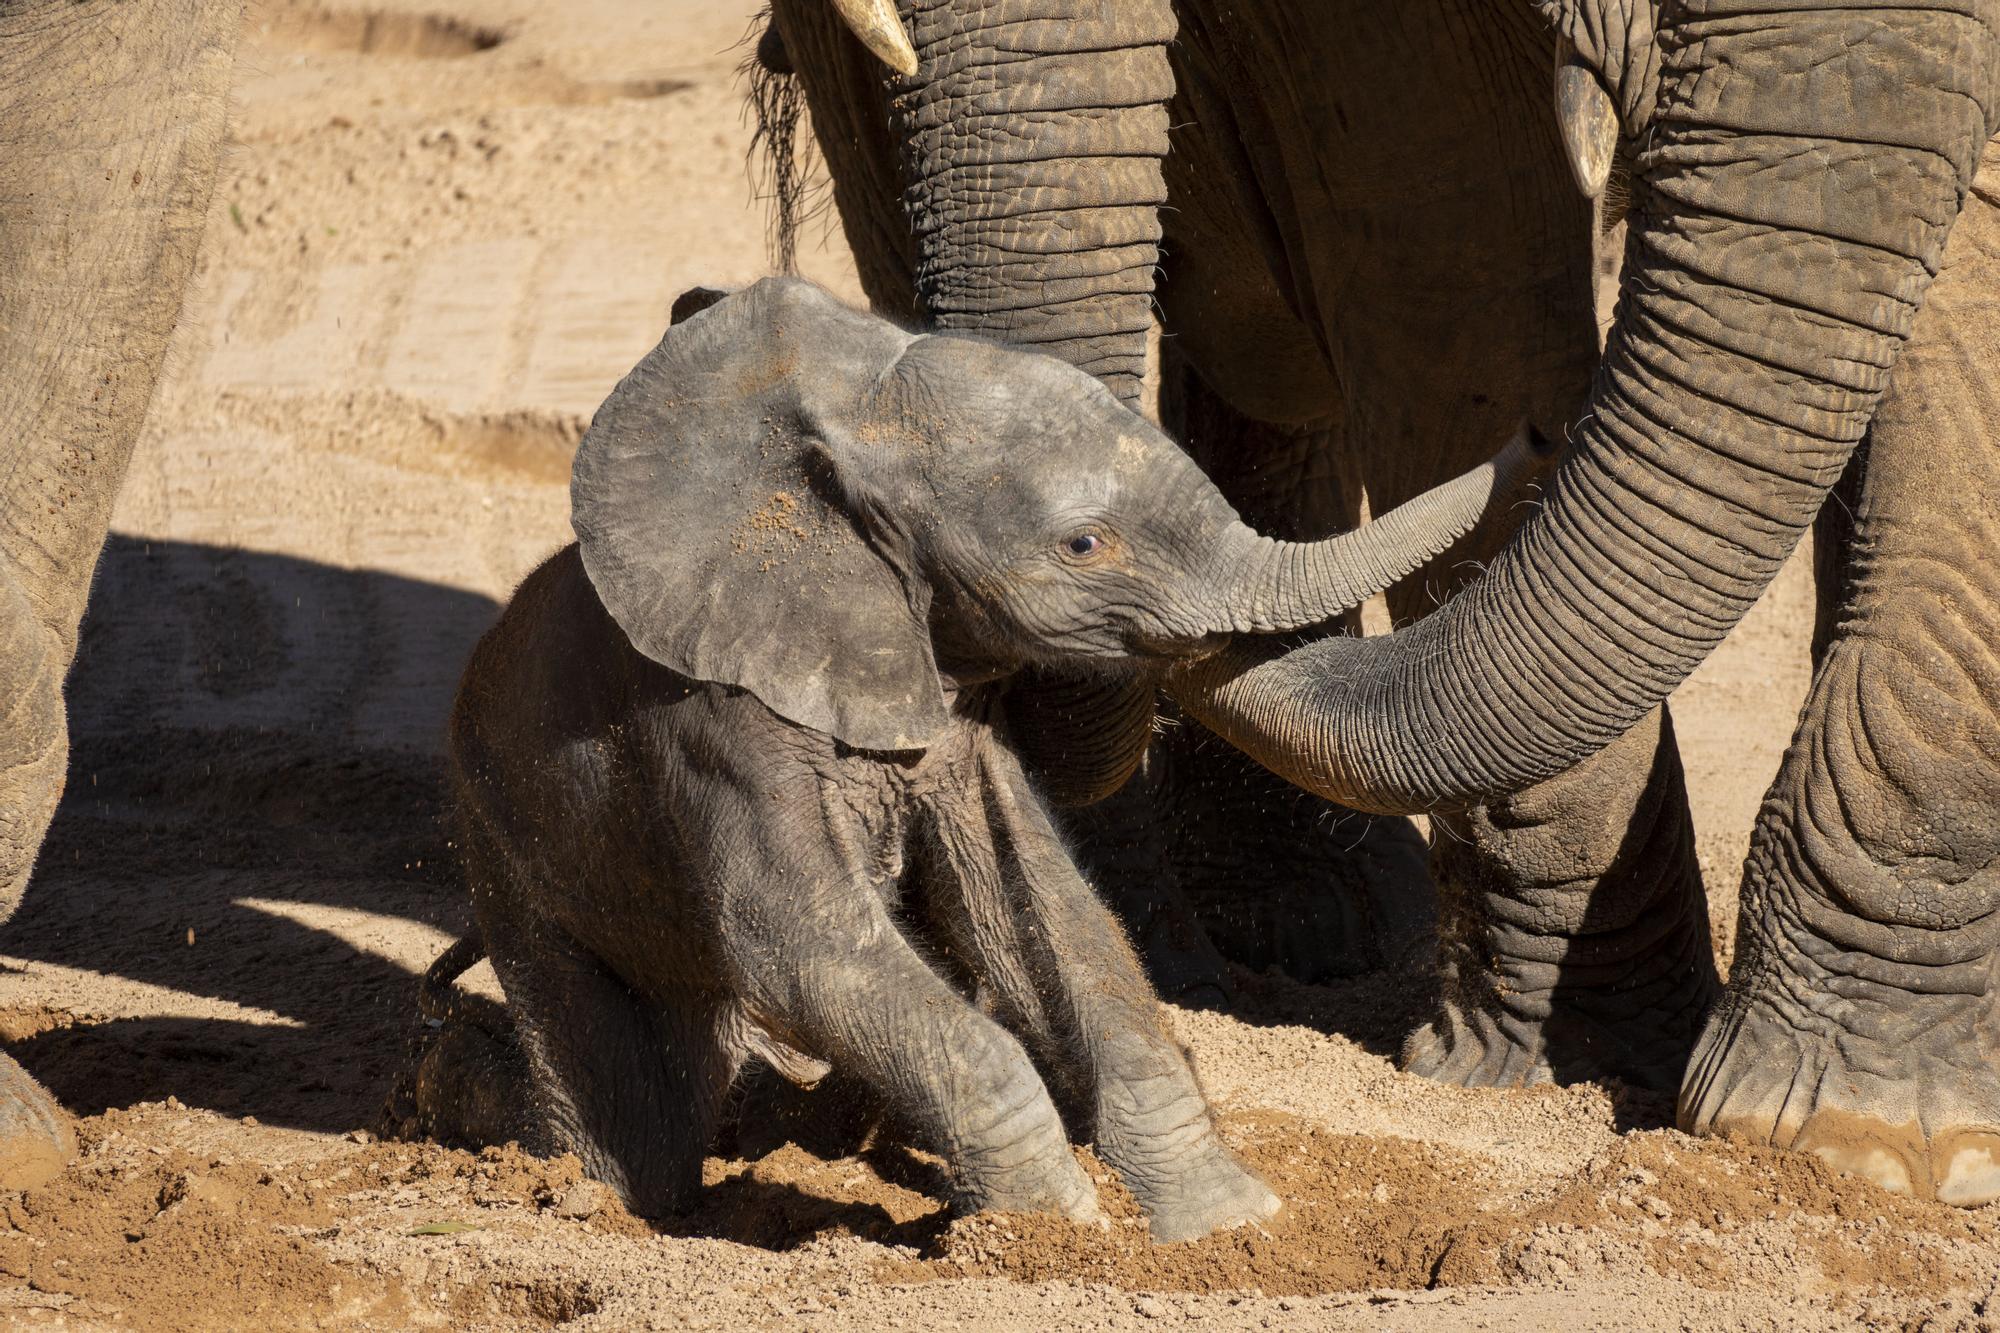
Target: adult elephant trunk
1802 169
1032 135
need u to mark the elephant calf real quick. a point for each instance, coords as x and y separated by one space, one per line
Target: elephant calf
736 773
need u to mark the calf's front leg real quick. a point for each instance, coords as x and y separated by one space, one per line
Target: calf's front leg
832 975
1063 969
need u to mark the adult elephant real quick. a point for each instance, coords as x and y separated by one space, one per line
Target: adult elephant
111 126
1375 263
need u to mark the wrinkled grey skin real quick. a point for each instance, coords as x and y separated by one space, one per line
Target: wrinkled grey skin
111 124
1373 259
735 779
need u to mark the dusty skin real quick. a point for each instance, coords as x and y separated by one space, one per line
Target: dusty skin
445 234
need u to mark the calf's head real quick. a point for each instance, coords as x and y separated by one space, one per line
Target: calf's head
814 505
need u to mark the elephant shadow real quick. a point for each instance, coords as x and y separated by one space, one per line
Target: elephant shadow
250 848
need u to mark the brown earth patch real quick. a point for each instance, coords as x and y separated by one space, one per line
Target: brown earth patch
1361 1213
1717 1214
26 1021
168 1239
1373 1213
176 1236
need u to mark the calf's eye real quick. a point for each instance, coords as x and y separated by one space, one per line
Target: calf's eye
1084 544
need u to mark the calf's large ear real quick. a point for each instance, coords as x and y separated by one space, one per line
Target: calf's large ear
715 533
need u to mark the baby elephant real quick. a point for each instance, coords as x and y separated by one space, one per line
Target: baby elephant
737 773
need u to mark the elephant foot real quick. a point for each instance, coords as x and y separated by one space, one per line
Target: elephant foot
1914 1108
1053 1183
1217 1194
1574 937
1496 1028
36 1141
1478 1050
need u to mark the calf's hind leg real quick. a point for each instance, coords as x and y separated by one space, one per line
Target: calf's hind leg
631 1084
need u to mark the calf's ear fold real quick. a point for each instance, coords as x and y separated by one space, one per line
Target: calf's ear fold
715 534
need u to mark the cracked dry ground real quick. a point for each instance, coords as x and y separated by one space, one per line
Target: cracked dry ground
445 235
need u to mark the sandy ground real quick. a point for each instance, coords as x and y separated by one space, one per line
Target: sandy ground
441 241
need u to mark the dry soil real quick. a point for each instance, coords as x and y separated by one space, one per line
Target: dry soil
444 234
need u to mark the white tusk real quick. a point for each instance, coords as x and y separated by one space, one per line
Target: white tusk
1589 125
880 29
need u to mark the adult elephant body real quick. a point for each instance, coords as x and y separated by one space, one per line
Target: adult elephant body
1374 263
111 126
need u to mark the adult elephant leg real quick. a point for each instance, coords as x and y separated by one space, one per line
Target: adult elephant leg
1862 1017
1574 935
1573 931
111 119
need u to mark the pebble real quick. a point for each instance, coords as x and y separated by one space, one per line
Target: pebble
1150 1308
586 1198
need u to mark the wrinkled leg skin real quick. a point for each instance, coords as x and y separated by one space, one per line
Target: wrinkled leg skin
1574 934
111 117
1862 1018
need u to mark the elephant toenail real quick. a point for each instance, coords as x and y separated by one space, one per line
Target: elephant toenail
1970 1173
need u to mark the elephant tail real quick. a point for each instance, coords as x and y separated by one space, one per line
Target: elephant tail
439 999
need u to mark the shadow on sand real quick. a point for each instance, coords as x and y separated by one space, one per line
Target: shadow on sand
255 782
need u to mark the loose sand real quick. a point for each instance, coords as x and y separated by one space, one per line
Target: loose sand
444 235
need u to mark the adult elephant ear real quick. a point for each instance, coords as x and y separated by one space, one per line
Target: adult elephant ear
715 531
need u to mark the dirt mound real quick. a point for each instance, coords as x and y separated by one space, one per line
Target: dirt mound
1360 1213
1720 1215
154 1228
166 1238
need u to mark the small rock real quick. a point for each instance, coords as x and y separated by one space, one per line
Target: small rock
586 1198
1150 1308
360 1136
